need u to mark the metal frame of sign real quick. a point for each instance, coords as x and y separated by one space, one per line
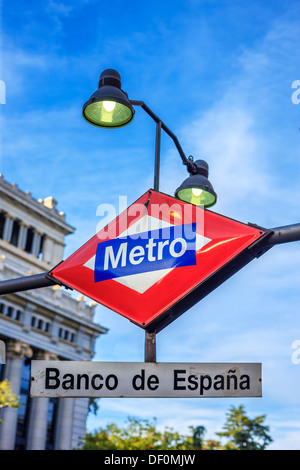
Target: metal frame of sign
209 284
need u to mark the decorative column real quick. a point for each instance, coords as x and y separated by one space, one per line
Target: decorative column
22 235
36 243
48 250
16 351
81 409
37 427
64 431
58 252
8 227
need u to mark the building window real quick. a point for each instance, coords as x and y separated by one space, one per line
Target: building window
40 323
41 248
10 311
2 220
66 334
25 240
18 315
15 233
23 410
29 241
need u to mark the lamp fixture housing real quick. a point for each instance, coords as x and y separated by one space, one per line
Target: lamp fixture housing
197 189
109 106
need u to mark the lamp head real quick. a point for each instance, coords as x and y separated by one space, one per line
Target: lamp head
197 189
109 106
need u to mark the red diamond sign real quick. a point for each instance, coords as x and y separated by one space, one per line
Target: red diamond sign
158 258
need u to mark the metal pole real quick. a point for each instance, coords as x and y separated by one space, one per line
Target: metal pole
157 156
25 283
286 234
150 347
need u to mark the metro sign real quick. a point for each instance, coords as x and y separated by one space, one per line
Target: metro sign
158 258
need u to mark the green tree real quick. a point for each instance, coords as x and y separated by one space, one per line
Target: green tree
7 398
137 435
244 433
197 437
211 444
240 431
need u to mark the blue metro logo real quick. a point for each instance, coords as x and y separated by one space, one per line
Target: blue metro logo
164 248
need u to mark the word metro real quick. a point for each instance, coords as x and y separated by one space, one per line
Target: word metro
164 248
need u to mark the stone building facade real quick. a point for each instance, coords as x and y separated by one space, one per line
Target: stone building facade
47 323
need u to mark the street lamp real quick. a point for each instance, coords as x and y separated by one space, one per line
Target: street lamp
109 107
197 189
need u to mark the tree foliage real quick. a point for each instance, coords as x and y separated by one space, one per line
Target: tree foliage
240 432
137 435
7 398
244 433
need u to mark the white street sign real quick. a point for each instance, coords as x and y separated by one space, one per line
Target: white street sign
144 379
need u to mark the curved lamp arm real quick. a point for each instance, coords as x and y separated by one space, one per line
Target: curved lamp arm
160 125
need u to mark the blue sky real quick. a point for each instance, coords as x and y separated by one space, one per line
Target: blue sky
220 75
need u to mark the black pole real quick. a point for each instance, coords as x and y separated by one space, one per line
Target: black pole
157 156
25 283
285 234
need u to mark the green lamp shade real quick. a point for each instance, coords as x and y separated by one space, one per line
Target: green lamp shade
197 189
109 106
196 196
108 114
